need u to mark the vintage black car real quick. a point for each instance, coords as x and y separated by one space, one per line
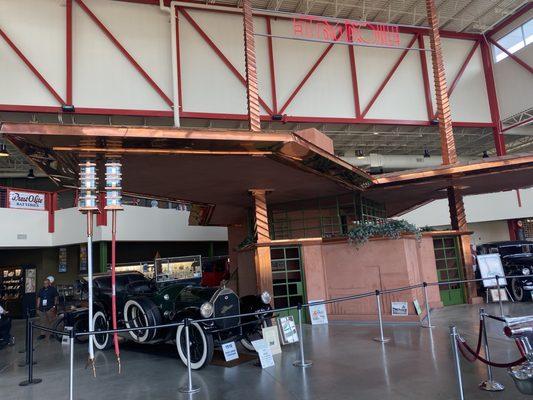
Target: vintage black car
517 259
142 302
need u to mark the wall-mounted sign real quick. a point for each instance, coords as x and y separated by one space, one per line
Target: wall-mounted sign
400 308
83 258
62 265
363 33
26 200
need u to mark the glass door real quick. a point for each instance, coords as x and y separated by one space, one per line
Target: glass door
449 268
287 277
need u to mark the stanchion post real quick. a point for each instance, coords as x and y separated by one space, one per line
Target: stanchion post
26 339
71 376
499 295
189 388
302 363
31 380
428 310
457 362
381 338
490 385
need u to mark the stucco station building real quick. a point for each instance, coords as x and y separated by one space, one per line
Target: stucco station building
285 151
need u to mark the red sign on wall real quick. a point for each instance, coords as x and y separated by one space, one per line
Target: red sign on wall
315 28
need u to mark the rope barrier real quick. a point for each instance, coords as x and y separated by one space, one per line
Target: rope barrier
462 344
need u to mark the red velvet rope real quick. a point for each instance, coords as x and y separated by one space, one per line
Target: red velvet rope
463 346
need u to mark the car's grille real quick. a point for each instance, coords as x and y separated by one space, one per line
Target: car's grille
226 303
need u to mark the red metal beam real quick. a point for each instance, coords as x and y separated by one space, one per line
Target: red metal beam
125 53
499 141
221 55
32 67
425 77
353 70
512 56
463 68
272 67
68 52
510 19
521 123
310 72
389 76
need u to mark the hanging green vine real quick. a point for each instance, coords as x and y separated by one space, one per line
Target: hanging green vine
388 228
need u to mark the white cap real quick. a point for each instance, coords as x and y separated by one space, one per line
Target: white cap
50 278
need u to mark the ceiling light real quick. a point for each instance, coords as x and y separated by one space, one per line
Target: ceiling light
3 150
30 175
485 154
376 133
360 154
426 153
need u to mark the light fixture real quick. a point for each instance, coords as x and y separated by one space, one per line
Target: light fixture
426 153
30 175
113 185
485 154
359 154
67 108
3 150
88 179
376 133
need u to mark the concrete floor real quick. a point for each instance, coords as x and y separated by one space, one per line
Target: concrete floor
415 365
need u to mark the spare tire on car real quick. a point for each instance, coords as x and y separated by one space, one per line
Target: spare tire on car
141 312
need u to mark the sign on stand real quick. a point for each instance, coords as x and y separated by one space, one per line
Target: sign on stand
270 335
65 339
26 200
264 352
230 351
318 313
490 266
287 330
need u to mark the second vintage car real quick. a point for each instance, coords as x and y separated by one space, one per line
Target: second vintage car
141 302
517 260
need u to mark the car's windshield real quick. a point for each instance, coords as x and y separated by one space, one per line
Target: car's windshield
515 249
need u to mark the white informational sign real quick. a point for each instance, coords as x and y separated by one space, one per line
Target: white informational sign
318 313
496 296
230 351
270 335
399 308
26 200
489 266
65 339
264 352
418 309
287 330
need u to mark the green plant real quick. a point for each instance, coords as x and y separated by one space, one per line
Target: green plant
389 228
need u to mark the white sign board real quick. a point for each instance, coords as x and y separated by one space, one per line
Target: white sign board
26 200
489 266
399 308
318 313
264 352
287 330
230 351
270 334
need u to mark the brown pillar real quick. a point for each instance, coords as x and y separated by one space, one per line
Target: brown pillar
263 265
252 91
447 141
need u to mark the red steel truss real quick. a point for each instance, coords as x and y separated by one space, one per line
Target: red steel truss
272 109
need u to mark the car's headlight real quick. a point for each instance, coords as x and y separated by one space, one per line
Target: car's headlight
525 271
206 309
265 297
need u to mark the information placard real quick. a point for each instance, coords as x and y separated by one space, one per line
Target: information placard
490 265
287 330
230 351
264 352
26 200
318 313
270 334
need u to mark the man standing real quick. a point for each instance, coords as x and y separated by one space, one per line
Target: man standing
47 300
5 330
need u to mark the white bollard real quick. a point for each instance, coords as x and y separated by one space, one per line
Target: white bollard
302 363
189 388
381 338
457 362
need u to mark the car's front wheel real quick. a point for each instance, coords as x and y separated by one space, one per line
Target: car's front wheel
102 341
201 344
519 294
255 334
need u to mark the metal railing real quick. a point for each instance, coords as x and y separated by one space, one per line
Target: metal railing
303 363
